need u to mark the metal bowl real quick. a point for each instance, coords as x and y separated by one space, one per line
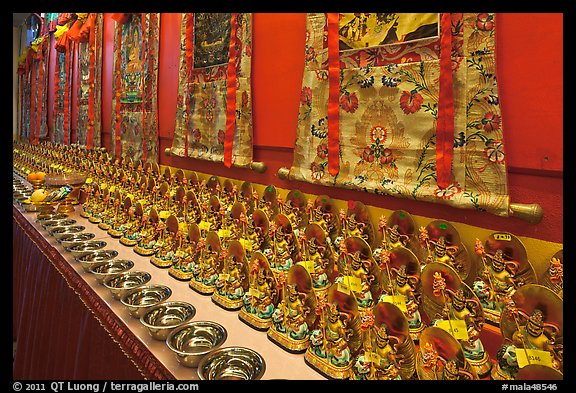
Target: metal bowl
58 232
57 223
103 271
43 217
162 318
71 239
123 283
194 340
92 257
140 300
232 363
83 248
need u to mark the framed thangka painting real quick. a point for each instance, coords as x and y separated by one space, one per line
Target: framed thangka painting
404 105
135 78
214 110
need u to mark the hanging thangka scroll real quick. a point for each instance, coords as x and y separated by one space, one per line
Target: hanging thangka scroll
63 73
135 78
33 75
89 74
214 110
404 105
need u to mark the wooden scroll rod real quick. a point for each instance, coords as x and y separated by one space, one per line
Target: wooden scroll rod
256 166
530 212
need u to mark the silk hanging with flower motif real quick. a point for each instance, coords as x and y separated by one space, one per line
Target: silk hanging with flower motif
63 74
135 80
404 105
214 110
90 81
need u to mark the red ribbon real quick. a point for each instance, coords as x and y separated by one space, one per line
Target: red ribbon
118 88
189 58
445 123
231 90
333 94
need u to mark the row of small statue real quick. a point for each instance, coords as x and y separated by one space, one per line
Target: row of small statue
281 265
325 282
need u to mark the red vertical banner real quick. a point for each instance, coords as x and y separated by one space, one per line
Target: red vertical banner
333 94
231 86
445 123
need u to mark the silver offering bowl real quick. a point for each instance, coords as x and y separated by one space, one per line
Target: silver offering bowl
83 248
140 300
59 231
71 239
162 318
232 363
43 217
92 257
104 271
194 340
49 224
121 284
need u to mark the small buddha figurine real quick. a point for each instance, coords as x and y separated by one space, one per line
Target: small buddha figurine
131 230
380 360
294 316
262 297
283 244
468 309
506 367
320 254
187 256
149 234
169 240
406 286
553 276
534 333
356 263
210 264
501 275
232 282
123 218
334 344
440 357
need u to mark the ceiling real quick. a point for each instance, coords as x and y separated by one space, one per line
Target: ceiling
19 18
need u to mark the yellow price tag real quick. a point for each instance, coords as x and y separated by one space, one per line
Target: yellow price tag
142 201
354 283
308 265
88 180
180 254
112 188
456 327
204 226
533 356
397 300
254 292
343 288
223 276
131 196
372 357
164 214
247 244
224 233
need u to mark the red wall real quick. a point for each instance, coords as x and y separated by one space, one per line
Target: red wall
530 78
